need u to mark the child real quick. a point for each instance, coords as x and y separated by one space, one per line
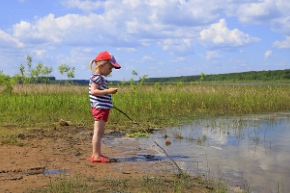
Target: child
100 100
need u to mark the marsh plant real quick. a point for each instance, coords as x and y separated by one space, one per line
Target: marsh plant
117 185
201 141
215 183
178 135
45 104
149 184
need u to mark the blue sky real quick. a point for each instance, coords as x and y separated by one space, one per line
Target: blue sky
160 38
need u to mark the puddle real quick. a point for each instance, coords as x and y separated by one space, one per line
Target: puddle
139 158
132 150
252 152
54 172
42 170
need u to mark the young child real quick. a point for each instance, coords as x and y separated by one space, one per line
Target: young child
101 100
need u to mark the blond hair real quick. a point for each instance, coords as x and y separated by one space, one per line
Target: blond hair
98 64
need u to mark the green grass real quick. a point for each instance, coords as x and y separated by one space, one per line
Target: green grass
150 184
11 136
150 105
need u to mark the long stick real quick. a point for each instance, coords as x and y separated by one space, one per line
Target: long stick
179 170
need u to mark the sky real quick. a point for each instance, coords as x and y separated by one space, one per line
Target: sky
158 38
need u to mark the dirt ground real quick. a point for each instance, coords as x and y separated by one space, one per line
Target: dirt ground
46 155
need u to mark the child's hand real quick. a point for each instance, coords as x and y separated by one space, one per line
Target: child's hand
112 90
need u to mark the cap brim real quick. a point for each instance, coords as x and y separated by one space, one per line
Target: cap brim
115 63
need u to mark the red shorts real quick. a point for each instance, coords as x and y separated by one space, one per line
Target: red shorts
100 114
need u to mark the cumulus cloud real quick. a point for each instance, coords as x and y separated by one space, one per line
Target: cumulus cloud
51 29
176 26
6 40
219 36
160 11
132 23
110 28
268 54
129 24
282 44
275 13
71 29
258 12
146 22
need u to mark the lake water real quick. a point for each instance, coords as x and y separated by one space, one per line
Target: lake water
252 152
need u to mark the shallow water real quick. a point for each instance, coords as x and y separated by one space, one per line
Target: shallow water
252 152
54 172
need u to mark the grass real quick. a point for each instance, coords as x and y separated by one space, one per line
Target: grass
137 134
150 105
65 184
12 137
44 105
148 184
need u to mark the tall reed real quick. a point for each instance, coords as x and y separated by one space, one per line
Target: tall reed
46 104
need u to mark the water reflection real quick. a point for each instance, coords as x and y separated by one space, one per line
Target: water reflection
251 151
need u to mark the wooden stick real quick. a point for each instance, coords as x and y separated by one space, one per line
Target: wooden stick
175 164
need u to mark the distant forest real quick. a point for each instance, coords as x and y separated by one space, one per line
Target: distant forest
271 75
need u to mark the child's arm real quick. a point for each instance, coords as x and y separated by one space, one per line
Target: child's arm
96 92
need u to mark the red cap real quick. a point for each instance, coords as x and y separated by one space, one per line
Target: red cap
107 56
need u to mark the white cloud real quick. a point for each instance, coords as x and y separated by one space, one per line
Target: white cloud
141 23
133 23
50 29
39 52
129 24
6 40
126 49
219 36
282 44
268 54
177 45
178 27
186 13
71 29
283 6
258 12
281 25
275 13
86 5
87 50
146 58
178 59
212 55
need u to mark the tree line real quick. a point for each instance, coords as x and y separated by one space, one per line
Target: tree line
29 74
270 75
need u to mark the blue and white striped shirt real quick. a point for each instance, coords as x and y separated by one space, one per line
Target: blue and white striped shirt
100 102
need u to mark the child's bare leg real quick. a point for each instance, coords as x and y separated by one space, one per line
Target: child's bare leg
99 128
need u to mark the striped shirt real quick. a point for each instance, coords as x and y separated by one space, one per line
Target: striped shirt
100 102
